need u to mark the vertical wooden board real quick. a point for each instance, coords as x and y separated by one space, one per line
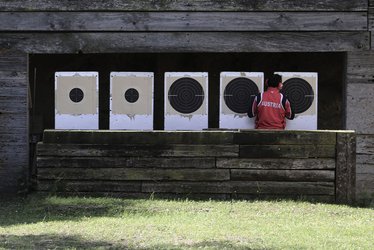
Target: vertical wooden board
359 108
345 167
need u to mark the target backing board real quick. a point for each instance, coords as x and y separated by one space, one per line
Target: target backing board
76 100
237 90
301 88
186 100
131 100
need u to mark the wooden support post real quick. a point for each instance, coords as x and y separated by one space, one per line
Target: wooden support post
345 167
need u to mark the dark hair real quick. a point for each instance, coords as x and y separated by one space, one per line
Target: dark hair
274 80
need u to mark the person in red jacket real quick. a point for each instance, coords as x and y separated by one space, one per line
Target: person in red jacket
271 107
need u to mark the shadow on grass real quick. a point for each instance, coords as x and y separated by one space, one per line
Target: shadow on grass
53 241
40 208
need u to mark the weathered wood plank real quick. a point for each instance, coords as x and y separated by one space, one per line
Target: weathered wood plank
345 167
272 137
108 42
13 120
183 21
89 186
282 175
133 174
365 188
360 67
287 151
188 5
247 187
121 162
252 163
137 137
364 168
359 106
309 198
365 144
137 150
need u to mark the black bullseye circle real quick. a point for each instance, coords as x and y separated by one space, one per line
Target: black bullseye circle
300 94
76 95
239 94
131 95
186 95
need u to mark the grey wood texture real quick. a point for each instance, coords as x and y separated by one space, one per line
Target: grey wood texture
345 167
282 175
137 137
110 42
285 137
89 186
279 163
243 187
137 150
125 162
365 167
13 122
359 108
183 21
360 67
190 5
287 151
134 174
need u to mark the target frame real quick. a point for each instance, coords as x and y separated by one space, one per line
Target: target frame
76 115
125 114
228 118
308 118
176 120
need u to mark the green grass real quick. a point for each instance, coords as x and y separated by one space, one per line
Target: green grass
105 223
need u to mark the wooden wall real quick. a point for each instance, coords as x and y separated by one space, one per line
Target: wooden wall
215 164
62 26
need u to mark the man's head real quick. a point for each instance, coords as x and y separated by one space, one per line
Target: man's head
274 81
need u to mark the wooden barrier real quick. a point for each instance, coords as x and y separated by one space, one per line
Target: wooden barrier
317 165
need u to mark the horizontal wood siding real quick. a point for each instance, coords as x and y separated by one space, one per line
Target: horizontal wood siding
13 123
183 21
186 42
170 167
190 5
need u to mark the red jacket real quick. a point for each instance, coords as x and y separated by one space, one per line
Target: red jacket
271 108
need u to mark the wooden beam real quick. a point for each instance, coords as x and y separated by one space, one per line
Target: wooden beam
345 167
183 21
242 187
187 5
287 151
185 42
137 137
133 174
94 150
281 175
276 137
279 163
125 162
